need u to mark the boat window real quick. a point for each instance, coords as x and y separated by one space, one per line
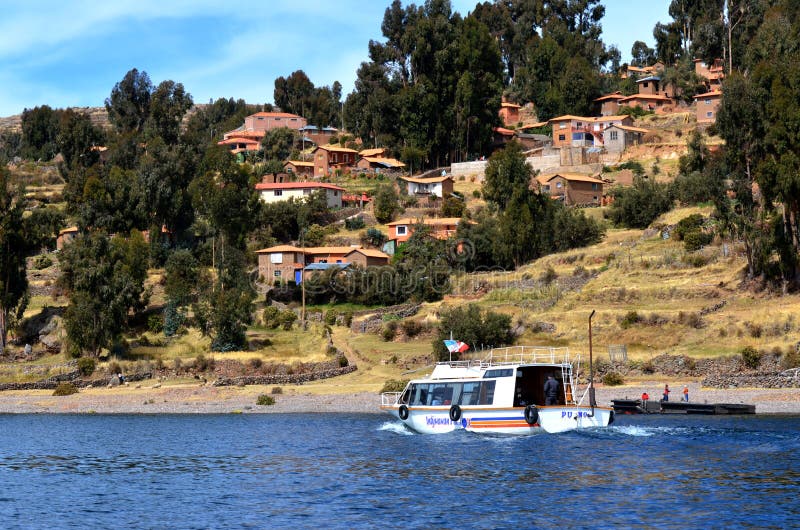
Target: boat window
486 396
504 372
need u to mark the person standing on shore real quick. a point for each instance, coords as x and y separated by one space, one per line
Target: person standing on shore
686 393
666 393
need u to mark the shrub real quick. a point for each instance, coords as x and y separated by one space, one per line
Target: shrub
203 363
790 358
347 318
255 363
270 316
354 223
42 261
330 317
476 194
287 319
475 327
155 323
373 237
411 328
65 389
695 240
389 331
548 276
86 366
277 390
630 318
394 385
265 400
113 368
174 318
613 379
342 360
751 357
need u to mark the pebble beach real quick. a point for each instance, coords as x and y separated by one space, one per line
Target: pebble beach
207 399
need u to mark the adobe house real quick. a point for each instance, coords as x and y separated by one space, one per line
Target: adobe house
300 168
573 189
66 236
317 135
328 254
282 263
367 257
609 104
616 138
509 113
281 191
256 125
379 152
706 106
330 157
438 186
646 101
713 74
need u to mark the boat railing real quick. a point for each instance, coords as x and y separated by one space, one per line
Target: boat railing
390 398
527 354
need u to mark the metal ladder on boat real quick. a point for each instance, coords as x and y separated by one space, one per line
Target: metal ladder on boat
566 381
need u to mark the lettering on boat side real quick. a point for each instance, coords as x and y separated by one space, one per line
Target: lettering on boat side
577 414
434 421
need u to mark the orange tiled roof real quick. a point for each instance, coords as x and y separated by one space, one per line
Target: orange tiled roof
372 152
372 253
275 115
713 93
338 149
279 248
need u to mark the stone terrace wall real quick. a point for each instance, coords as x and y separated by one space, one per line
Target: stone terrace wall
284 379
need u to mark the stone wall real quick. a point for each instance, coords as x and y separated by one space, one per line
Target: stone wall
773 380
284 379
467 169
374 322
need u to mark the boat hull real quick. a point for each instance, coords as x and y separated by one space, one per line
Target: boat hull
554 419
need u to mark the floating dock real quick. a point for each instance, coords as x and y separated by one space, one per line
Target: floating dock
636 406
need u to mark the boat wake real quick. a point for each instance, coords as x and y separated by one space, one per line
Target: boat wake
636 430
395 427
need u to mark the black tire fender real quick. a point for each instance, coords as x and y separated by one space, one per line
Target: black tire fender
531 414
403 412
455 413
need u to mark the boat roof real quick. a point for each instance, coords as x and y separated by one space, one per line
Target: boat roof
511 357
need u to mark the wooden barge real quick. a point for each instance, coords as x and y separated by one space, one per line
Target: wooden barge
636 406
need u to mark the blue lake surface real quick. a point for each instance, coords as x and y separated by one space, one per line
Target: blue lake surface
366 470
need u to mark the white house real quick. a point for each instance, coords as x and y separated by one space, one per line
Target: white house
281 191
438 186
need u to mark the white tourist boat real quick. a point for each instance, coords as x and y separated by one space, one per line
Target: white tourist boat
503 392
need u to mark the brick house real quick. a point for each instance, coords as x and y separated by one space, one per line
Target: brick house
256 125
571 130
572 188
509 113
282 263
646 101
377 164
713 74
281 191
706 106
609 104
317 135
330 157
241 144
66 236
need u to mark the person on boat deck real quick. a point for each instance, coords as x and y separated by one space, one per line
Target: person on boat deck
645 396
666 393
551 391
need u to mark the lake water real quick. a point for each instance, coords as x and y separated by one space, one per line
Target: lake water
364 470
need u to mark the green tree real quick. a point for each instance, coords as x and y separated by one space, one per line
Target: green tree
641 204
474 327
386 203
40 127
77 136
105 281
128 105
278 144
167 106
506 172
182 277
13 246
642 54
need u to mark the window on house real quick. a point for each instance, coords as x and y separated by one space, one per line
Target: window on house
594 198
562 125
578 124
562 137
594 186
558 184
277 119
612 135
708 102
709 114
338 261
644 84
278 193
402 230
276 258
547 187
335 193
277 274
261 118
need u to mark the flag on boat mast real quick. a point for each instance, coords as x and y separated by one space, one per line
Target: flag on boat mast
456 346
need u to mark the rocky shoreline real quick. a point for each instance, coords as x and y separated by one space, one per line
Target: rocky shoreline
208 399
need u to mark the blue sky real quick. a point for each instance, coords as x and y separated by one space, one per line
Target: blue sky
72 53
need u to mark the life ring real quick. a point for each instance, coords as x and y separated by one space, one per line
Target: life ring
403 412
455 413
531 414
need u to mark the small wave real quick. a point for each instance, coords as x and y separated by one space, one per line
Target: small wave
395 427
636 430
